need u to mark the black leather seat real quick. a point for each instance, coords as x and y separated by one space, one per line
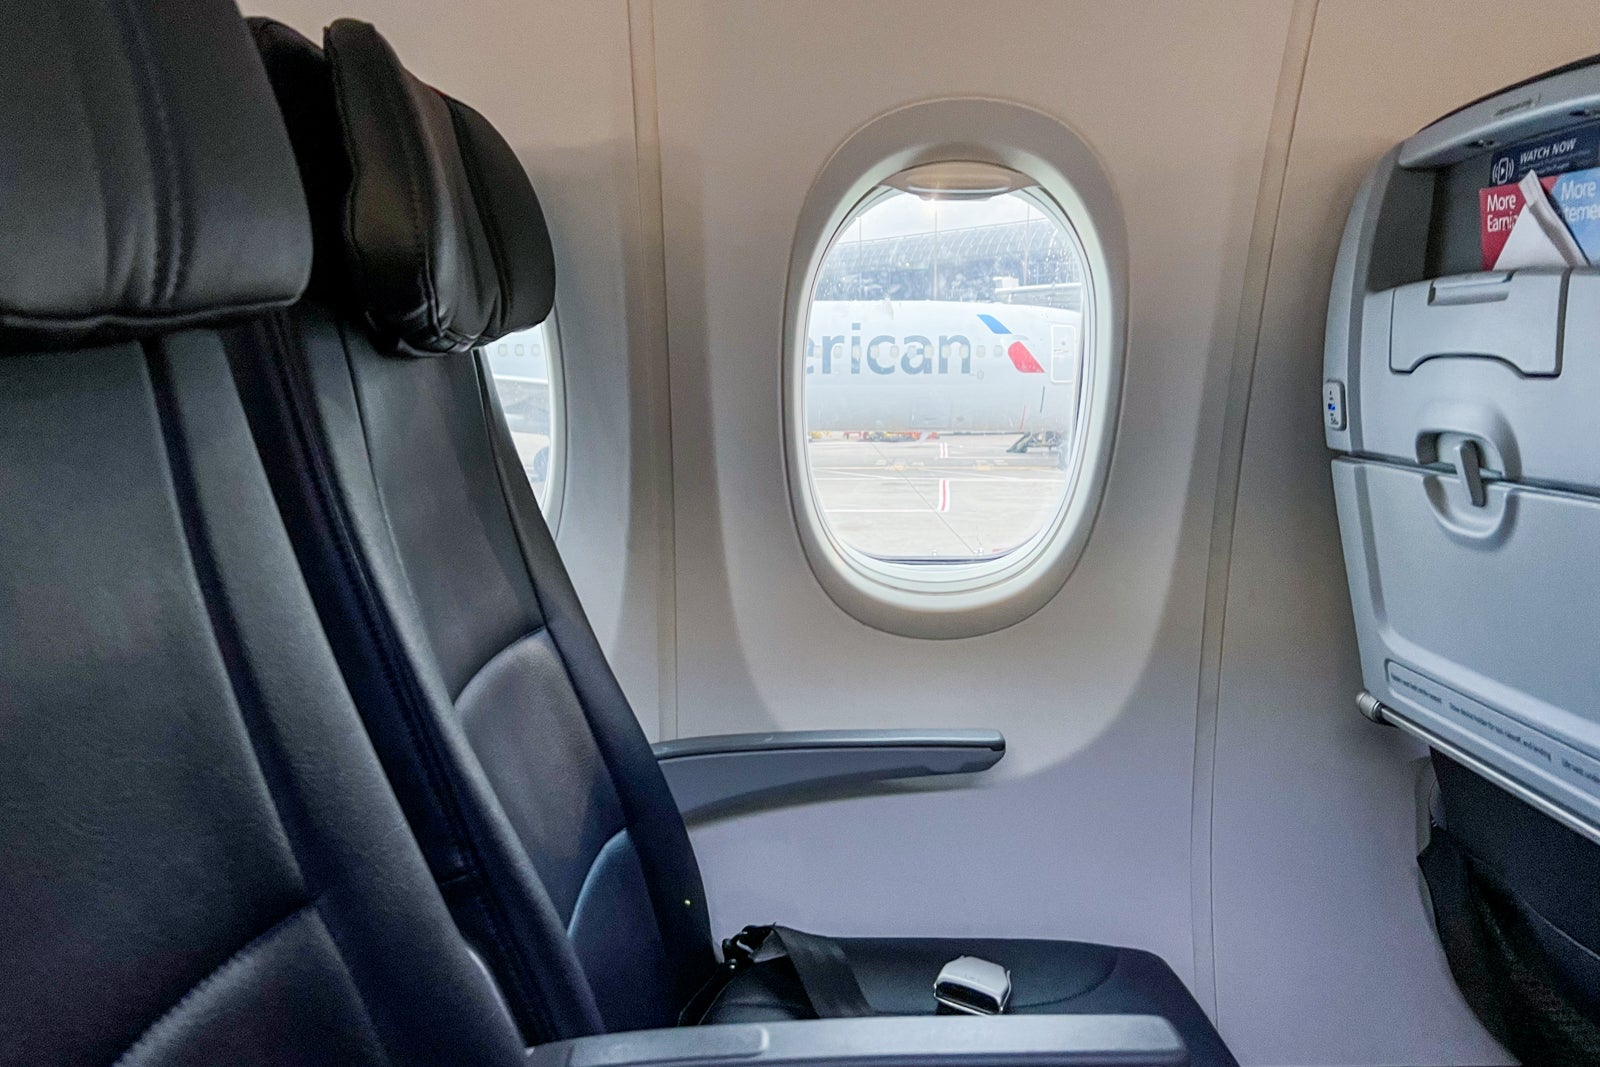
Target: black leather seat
524 772
200 859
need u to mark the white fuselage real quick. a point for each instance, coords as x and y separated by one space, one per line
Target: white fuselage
926 366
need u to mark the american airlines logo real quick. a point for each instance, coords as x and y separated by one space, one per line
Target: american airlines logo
915 353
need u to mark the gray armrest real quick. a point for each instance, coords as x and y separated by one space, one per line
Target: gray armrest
719 771
888 1041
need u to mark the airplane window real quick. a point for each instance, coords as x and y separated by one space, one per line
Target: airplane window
526 374
944 376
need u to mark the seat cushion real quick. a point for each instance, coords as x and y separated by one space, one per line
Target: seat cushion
1047 977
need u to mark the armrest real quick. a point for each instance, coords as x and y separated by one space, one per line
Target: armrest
888 1041
718 771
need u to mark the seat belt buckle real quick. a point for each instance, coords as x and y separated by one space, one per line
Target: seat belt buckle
970 986
744 947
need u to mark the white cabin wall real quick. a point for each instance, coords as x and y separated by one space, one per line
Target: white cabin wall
555 77
1084 830
1324 951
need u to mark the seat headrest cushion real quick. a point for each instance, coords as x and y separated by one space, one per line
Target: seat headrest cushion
445 243
299 75
146 180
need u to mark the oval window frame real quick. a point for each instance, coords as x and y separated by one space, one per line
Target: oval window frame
943 601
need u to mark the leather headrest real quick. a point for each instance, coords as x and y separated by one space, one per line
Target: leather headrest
443 243
146 180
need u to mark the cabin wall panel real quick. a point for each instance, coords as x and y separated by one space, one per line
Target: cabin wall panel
1084 830
1324 950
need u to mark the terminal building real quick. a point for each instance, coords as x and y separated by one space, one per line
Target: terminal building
1029 262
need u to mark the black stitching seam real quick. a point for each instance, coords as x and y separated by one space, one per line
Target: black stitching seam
1116 965
397 679
164 321
97 139
391 657
352 157
399 113
164 164
480 196
665 916
221 972
214 596
721 974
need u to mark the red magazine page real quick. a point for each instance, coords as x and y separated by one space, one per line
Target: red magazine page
1498 208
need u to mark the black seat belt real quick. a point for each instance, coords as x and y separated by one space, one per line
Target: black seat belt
825 974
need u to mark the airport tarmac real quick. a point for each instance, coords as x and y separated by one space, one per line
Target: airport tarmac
952 497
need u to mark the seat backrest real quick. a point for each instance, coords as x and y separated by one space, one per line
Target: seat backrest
524 773
202 862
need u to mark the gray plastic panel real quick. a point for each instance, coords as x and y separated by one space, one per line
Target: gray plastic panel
712 773
1384 246
1509 360
1497 315
1482 624
1469 497
902 1041
1380 712
1506 117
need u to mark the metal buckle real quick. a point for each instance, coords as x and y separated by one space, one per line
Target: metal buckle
970 986
739 951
